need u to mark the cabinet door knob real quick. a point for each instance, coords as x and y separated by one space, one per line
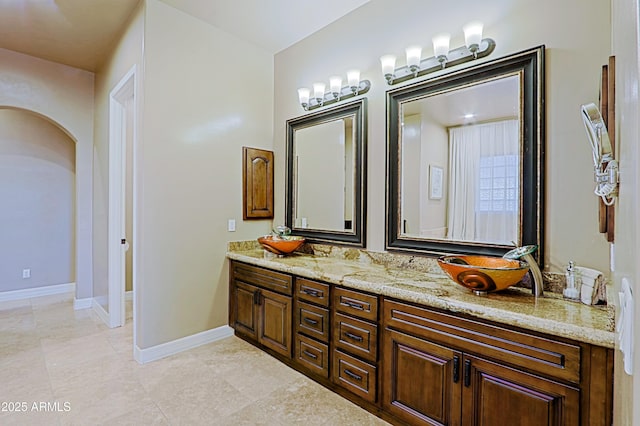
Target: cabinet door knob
310 321
309 354
467 373
456 368
354 376
353 336
310 292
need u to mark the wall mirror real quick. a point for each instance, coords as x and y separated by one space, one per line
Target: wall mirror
326 174
465 159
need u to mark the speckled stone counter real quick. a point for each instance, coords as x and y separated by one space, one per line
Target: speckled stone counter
419 279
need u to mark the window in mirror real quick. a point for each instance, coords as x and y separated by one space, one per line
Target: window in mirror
465 159
326 174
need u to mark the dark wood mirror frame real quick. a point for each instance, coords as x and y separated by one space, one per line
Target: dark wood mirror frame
530 64
357 237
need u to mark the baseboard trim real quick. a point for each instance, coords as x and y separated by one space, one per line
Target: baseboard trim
79 304
99 310
28 293
179 345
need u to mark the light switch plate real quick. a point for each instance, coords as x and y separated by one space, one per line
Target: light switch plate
231 226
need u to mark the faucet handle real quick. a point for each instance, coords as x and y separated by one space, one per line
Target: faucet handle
519 252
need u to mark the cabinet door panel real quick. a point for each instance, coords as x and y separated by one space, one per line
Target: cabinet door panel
422 380
502 395
245 319
275 322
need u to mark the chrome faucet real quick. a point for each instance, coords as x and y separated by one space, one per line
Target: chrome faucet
525 253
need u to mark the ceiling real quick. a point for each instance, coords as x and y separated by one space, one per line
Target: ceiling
80 33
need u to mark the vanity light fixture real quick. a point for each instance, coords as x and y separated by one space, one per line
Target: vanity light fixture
475 47
337 92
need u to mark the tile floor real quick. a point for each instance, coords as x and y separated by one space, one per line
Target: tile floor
64 367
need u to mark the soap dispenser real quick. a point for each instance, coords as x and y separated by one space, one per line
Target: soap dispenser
571 291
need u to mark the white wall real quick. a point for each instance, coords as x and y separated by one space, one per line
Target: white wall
627 246
37 189
207 94
577 36
64 95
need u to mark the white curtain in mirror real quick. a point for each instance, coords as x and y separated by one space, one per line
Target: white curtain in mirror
484 170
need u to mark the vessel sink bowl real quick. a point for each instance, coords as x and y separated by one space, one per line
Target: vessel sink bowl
281 245
483 274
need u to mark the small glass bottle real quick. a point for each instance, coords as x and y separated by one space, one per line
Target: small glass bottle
571 291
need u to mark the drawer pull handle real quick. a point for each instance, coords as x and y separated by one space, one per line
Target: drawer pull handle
310 321
354 376
310 355
456 368
467 373
354 305
310 292
353 336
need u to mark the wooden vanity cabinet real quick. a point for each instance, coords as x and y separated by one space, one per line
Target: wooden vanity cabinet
312 326
442 369
260 306
416 365
354 341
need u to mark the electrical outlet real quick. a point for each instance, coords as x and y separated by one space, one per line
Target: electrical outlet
26 273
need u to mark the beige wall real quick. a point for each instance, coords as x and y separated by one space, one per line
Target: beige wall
627 246
63 95
37 189
575 53
207 94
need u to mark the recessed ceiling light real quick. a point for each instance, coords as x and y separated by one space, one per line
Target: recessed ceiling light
469 115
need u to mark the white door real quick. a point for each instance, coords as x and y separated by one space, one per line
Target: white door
121 101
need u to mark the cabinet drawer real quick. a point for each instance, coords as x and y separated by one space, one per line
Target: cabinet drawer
357 376
312 321
265 278
312 291
355 303
533 353
312 355
356 336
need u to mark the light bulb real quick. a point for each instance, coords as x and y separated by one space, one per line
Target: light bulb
388 63
303 96
413 58
318 91
335 83
353 79
473 36
441 47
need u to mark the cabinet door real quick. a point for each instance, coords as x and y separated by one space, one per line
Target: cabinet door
275 322
497 395
421 380
244 310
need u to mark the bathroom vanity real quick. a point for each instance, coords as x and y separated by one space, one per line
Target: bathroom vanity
394 335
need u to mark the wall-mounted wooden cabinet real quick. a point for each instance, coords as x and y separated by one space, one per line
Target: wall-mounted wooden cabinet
416 365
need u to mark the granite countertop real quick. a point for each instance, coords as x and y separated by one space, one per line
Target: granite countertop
427 285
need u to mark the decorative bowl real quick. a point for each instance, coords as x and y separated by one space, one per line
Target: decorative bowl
281 245
483 274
